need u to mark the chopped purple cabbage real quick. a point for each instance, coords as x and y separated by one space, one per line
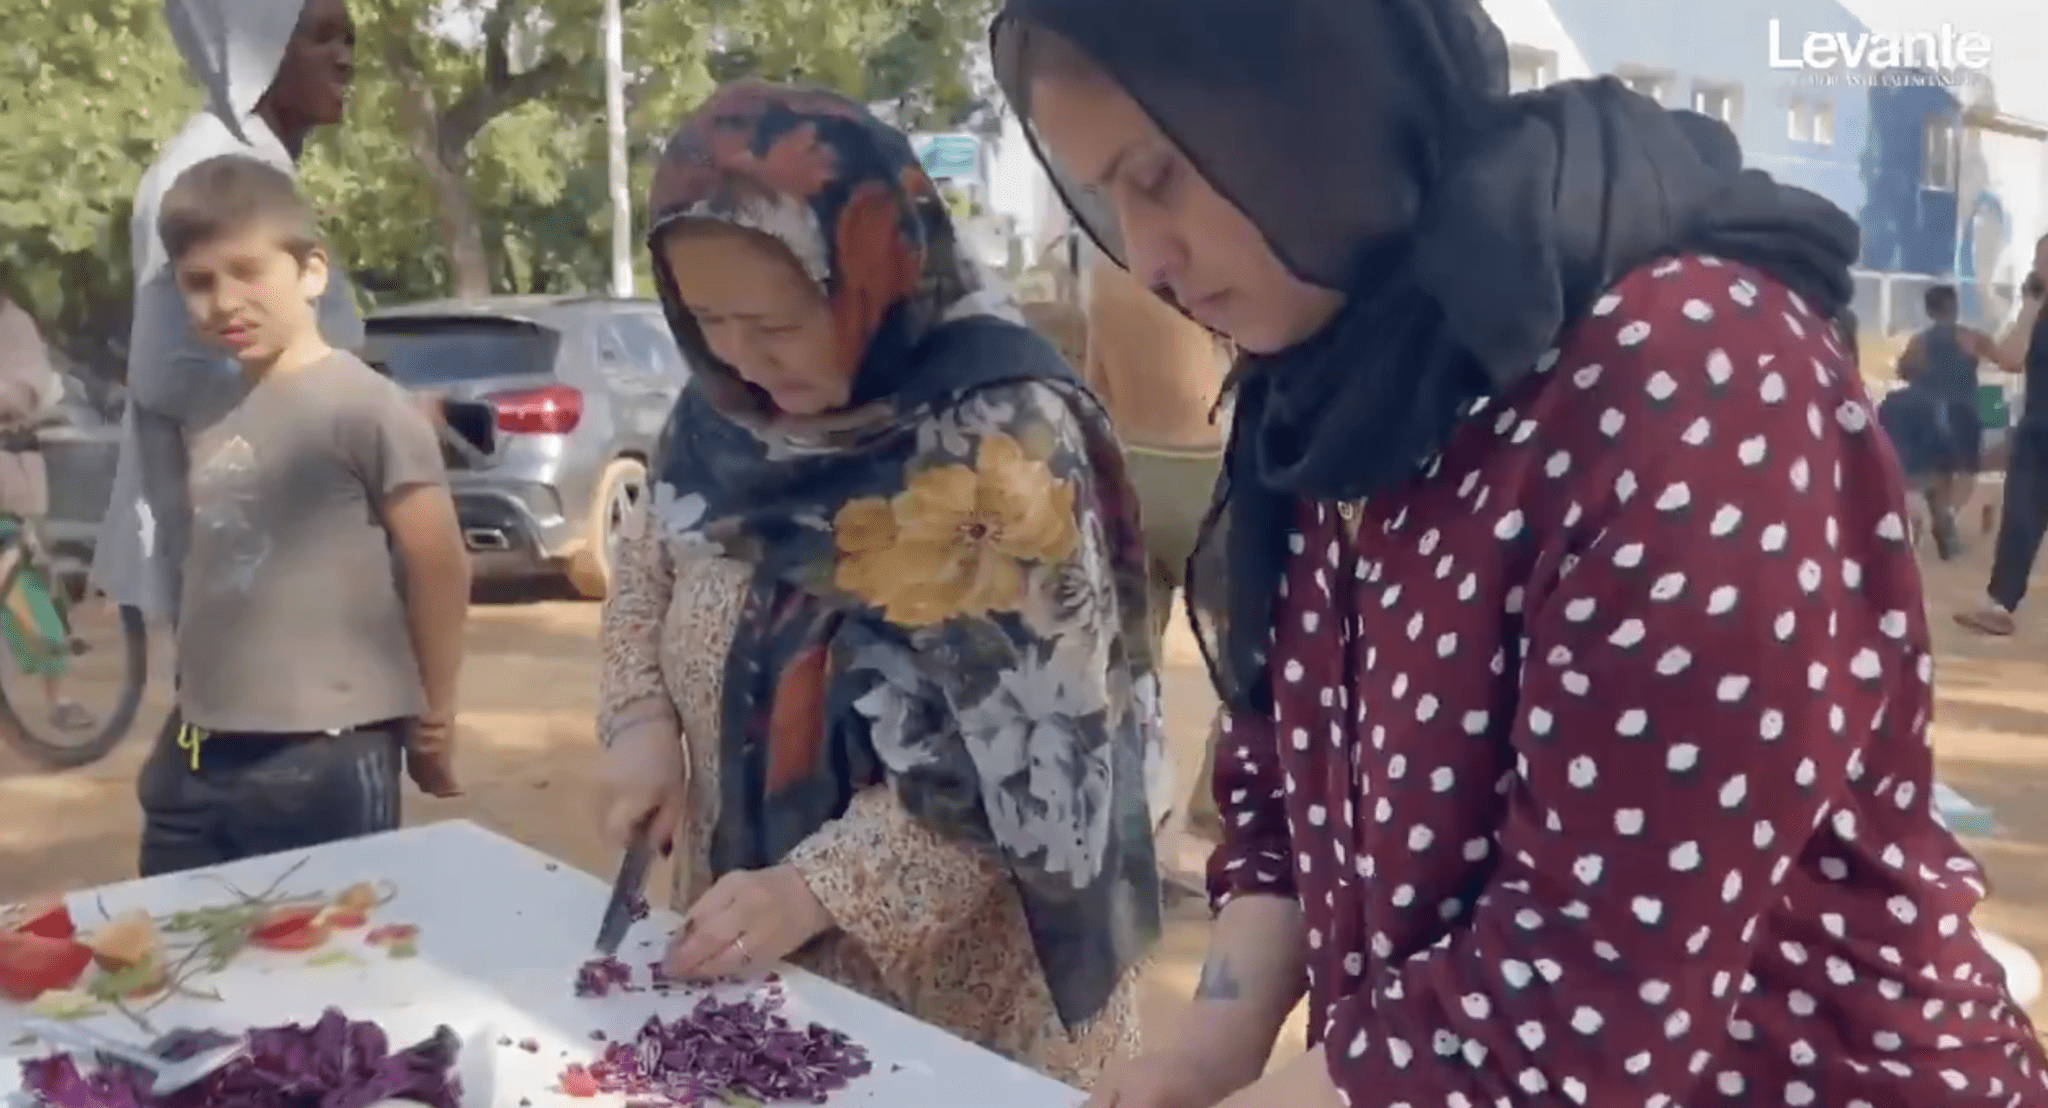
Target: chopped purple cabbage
602 977
721 1051
334 1063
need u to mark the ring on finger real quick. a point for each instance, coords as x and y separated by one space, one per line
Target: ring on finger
739 943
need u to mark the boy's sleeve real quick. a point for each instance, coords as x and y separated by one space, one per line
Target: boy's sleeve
164 511
140 556
390 443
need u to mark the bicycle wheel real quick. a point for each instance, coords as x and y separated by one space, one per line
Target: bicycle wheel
72 674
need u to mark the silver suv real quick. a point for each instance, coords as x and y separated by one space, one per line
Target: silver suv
557 402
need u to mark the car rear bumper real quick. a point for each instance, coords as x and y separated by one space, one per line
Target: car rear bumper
513 528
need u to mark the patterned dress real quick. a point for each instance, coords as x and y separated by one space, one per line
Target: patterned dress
926 925
1599 759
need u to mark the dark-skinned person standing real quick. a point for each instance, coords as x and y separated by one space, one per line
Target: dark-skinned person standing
2023 519
1573 651
273 72
1938 430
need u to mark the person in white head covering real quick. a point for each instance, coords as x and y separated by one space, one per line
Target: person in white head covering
273 71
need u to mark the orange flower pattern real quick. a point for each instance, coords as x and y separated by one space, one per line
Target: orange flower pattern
960 538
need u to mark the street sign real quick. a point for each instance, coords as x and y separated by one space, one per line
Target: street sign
951 156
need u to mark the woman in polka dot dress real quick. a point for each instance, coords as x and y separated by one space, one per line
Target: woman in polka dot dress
1576 678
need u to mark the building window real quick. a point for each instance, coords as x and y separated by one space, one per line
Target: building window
1938 153
1720 101
1810 121
1530 68
1651 85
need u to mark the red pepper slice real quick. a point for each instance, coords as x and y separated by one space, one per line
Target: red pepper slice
31 965
50 919
283 921
305 938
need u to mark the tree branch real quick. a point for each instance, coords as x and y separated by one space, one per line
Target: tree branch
418 107
476 107
502 90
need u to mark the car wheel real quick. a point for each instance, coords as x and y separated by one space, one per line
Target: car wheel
620 492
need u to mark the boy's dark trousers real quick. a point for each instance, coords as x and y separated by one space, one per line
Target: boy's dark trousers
2023 519
227 797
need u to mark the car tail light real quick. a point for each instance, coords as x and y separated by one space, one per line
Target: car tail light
553 410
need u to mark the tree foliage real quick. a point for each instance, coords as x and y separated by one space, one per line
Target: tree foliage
88 90
473 158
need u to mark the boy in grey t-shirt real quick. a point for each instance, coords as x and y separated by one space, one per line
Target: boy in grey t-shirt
324 584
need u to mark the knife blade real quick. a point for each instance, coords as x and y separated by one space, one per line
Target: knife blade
628 891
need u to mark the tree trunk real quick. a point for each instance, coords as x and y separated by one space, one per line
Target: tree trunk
438 134
442 157
462 234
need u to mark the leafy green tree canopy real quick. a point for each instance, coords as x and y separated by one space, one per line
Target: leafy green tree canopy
473 159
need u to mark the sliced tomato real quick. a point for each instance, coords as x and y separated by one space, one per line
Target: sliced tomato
137 982
31 965
359 897
155 983
128 940
309 937
50 919
577 1082
149 988
345 919
283 921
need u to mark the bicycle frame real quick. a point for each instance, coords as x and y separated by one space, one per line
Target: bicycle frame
21 549
41 643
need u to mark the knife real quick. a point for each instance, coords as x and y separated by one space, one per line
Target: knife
628 892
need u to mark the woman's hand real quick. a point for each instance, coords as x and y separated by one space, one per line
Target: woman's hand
642 773
1160 1081
746 922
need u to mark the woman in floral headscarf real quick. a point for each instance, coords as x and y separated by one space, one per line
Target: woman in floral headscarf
877 665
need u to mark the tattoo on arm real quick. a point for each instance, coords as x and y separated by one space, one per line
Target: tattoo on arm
1218 982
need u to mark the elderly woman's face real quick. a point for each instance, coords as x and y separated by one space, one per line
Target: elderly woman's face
1178 232
761 315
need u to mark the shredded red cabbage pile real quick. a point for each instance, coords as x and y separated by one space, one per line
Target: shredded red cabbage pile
335 1063
719 1051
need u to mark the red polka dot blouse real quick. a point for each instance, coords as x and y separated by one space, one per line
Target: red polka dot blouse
1599 760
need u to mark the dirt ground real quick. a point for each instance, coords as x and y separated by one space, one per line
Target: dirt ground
529 691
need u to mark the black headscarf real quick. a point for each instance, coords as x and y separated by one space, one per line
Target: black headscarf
1374 144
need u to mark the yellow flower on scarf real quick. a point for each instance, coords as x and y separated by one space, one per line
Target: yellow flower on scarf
957 540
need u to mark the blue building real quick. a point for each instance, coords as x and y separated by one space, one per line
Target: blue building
1891 113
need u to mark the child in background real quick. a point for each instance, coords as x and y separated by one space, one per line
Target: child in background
325 584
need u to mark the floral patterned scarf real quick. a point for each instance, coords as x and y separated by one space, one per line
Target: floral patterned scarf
948 593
